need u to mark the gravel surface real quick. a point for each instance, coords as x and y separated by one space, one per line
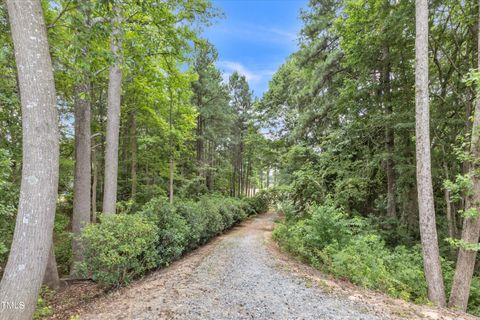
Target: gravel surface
234 277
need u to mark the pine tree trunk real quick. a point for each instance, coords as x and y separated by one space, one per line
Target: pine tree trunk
200 145
268 178
209 178
133 152
471 226
113 115
82 180
451 221
428 231
389 135
32 238
261 179
171 181
94 183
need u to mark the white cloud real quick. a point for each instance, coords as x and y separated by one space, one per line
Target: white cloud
253 77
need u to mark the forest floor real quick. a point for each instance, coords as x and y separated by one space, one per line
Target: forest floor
239 275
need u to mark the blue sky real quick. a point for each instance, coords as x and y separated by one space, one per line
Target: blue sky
255 36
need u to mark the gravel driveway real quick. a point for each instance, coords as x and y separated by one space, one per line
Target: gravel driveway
233 277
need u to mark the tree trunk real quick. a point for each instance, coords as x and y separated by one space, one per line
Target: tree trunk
200 145
170 188
133 152
51 278
113 115
428 231
471 226
261 179
451 221
389 135
32 238
268 178
82 180
94 183
209 178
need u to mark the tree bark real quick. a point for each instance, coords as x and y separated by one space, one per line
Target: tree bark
113 114
451 221
428 231
94 183
209 175
268 178
51 278
82 180
471 226
200 145
133 152
32 238
170 188
389 135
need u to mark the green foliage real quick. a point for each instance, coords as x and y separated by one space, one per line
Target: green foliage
8 198
63 243
260 202
172 229
43 309
125 246
460 243
287 208
460 187
307 237
119 249
352 249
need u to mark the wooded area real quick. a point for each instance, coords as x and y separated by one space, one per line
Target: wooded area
123 145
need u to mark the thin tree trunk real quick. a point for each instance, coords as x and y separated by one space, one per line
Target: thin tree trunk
171 180
451 221
32 238
261 179
471 226
274 176
234 170
113 115
247 172
133 152
82 180
209 178
170 189
389 135
428 231
200 145
268 178
94 183
51 278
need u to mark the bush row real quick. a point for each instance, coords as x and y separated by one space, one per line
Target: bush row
347 247
124 246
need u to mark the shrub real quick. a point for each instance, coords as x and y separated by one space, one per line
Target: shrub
173 229
259 203
287 208
125 246
307 238
119 249
214 220
195 218
348 248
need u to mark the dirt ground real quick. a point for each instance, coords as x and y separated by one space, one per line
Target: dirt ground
239 275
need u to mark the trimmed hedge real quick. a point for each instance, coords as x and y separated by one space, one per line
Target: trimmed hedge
125 246
119 249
